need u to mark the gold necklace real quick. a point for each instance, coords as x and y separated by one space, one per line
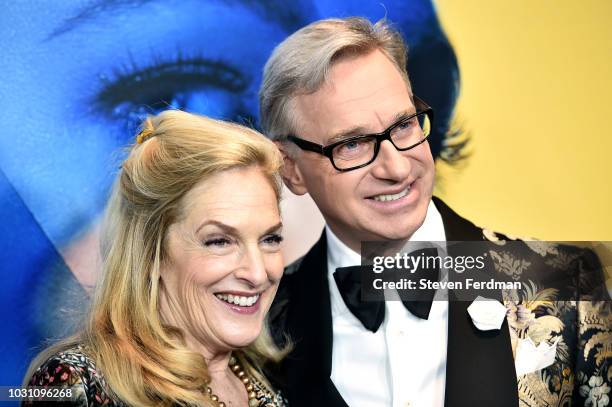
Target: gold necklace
238 371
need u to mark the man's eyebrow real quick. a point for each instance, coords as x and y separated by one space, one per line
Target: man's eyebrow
348 133
289 18
362 130
403 114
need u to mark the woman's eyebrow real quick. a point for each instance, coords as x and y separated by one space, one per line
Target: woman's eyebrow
287 17
276 228
225 227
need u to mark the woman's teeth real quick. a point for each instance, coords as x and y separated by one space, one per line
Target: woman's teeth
238 300
385 198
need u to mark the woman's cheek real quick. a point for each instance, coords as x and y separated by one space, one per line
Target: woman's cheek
276 267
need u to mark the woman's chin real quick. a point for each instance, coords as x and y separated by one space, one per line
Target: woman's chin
236 339
235 343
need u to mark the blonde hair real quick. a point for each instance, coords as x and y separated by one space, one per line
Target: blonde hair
144 361
300 64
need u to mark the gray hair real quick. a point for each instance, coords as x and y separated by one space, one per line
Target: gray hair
300 64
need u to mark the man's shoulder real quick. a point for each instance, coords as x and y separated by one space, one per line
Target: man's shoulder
278 313
314 258
528 258
456 227
281 299
292 268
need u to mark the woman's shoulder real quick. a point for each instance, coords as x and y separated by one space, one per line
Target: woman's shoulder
72 368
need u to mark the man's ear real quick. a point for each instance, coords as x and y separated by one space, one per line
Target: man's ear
292 176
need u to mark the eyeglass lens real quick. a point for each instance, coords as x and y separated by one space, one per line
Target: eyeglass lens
360 151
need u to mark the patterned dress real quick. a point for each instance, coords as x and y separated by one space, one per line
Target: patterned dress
73 369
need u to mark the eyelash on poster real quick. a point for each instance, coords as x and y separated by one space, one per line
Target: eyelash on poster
136 89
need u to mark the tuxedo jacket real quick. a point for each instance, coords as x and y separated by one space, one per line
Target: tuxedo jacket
480 366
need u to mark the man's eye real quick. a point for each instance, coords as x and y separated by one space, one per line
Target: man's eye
196 84
408 123
351 145
350 148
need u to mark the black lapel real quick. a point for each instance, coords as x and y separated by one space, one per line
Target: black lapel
479 365
456 227
307 369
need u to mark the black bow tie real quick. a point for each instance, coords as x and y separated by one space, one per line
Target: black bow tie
371 314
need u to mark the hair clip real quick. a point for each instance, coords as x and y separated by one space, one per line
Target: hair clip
143 136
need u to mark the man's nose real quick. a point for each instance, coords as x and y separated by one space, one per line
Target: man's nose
253 267
390 163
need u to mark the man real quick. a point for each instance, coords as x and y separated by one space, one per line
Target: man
337 99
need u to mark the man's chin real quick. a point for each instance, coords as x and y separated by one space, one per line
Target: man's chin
397 236
394 233
403 233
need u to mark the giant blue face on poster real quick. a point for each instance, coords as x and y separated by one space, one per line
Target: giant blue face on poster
78 76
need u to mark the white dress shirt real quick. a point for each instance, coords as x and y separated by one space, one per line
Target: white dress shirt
402 364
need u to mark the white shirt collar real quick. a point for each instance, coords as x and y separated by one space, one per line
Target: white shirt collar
339 254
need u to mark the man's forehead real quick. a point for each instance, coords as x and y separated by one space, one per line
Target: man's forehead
328 116
366 127
361 93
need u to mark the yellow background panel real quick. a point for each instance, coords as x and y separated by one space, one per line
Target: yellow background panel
536 84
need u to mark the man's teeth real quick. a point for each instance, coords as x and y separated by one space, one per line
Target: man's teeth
385 198
238 300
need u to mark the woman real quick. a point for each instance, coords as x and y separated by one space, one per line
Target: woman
191 263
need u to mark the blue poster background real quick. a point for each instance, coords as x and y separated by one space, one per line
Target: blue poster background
78 76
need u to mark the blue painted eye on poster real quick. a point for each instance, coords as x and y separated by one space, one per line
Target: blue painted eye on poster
78 76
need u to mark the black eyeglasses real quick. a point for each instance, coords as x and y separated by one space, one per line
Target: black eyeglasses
359 151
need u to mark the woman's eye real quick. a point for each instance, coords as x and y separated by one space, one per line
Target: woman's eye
217 242
273 239
196 84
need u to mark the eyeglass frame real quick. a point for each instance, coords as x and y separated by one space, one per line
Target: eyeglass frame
327 151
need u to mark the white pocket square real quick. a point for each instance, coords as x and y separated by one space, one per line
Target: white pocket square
530 358
486 313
